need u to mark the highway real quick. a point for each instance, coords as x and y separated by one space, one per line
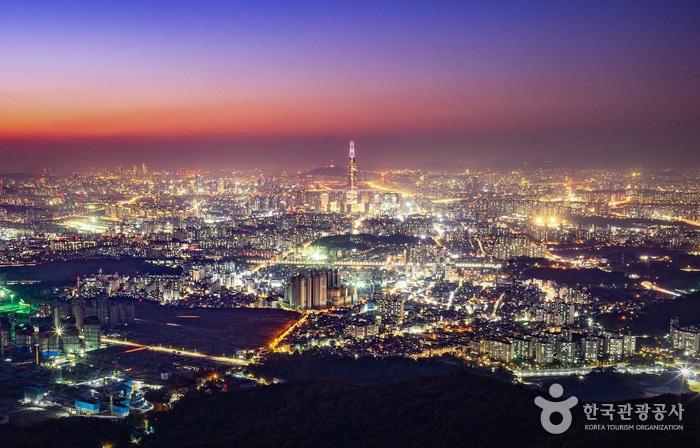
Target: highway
274 345
652 287
690 222
175 351
496 305
579 371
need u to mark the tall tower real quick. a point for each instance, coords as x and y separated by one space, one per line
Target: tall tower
352 167
351 194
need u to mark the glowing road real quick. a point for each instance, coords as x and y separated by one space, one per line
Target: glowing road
275 343
652 287
496 305
690 222
579 371
174 351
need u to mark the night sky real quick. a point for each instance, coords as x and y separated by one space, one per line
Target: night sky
286 84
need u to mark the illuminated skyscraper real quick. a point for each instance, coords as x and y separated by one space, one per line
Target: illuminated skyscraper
352 167
351 194
308 291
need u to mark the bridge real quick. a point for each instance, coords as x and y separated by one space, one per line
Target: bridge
486 265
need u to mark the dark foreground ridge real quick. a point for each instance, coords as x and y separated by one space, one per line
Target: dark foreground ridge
452 410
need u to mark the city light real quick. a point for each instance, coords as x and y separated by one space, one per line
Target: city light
550 221
328 224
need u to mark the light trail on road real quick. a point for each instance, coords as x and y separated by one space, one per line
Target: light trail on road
690 222
651 286
496 305
175 351
275 343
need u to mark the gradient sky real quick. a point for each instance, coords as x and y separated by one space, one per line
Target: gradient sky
207 83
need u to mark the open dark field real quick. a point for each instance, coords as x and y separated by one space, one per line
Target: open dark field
211 331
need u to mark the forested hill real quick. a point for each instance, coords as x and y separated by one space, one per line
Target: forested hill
456 409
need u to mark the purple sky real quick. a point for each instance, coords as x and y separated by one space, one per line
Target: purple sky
444 84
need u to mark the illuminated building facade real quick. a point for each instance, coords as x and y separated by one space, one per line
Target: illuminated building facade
308 291
351 193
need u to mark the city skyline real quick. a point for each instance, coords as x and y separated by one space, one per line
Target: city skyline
126 293
295 223
283 85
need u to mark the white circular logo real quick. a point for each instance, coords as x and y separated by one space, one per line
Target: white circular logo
556 407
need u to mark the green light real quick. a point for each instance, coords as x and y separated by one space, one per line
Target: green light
11 306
